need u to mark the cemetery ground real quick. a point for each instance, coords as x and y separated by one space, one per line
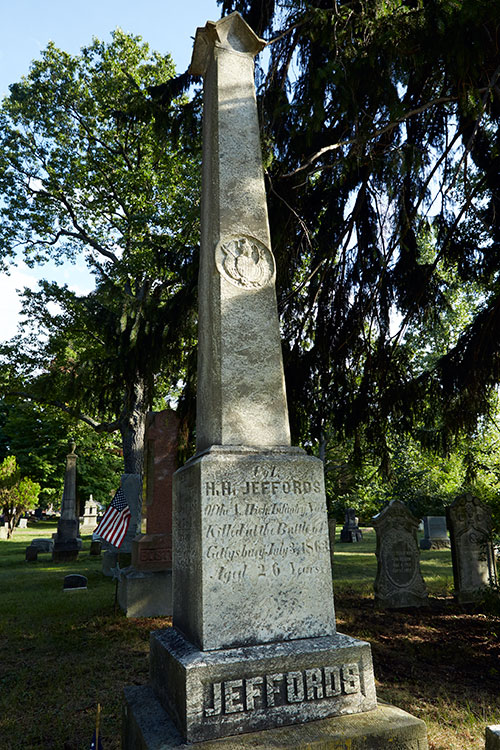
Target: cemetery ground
62 653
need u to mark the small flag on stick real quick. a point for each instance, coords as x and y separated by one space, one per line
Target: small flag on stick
115 521
96 743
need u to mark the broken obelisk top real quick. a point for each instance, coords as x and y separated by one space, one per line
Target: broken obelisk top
241 388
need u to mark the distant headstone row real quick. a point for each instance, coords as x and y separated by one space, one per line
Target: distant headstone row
351 532
435 533
399 582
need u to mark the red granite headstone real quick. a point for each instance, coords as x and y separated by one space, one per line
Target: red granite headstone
153 550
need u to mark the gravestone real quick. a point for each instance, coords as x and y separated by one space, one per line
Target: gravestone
253 644
66 540
145 589
398 582
350 531
472 553
74 582
22 523
43 545
31 553
88 521
435 533
4 530
493 737
95 548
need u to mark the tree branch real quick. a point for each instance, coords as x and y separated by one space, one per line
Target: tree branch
376 134
97 426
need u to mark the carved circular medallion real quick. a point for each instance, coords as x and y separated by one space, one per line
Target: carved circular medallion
245 262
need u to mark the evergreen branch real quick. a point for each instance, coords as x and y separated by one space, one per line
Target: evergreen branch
376 134
97 426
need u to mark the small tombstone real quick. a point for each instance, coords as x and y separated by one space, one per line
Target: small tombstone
399 582
31 553
75 582
351 532
435 533
88 521
38 514
472 551
22 523
95 548
43 545
493 737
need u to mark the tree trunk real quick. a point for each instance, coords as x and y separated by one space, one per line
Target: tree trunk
132 427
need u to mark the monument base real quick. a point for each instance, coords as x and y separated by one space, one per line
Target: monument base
146 726
146 593
213 694
66 551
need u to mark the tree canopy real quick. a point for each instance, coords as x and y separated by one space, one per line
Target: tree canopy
87 167
17 494
381 140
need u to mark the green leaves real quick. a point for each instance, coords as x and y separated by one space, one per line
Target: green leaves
87 171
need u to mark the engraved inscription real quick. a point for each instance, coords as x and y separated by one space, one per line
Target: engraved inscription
280 688
261 487
401 563
262 524
155 555
245 262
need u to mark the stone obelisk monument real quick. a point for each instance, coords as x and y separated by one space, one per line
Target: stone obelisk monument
66 543
253 645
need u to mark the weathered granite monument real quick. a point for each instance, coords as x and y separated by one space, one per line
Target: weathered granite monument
398 582
66 541
145 588
472 552
253 647
350 532
435 533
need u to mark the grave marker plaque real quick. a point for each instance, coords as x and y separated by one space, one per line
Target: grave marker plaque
399 582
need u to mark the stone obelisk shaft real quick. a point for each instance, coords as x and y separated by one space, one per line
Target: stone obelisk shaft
241 391
65 543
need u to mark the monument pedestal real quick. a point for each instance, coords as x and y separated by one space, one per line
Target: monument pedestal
212 694
146 726
145 593
66 550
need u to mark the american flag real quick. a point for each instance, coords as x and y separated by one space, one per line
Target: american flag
115 521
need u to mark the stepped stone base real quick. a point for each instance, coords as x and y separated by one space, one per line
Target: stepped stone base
146 726
218 693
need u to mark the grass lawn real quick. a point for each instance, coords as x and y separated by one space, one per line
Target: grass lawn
62 653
